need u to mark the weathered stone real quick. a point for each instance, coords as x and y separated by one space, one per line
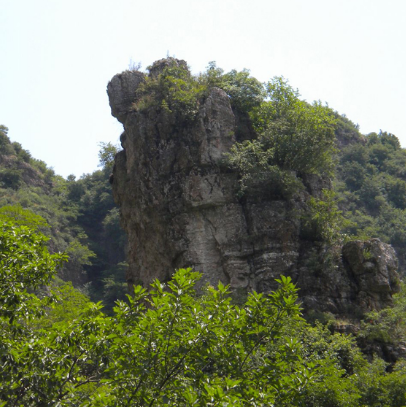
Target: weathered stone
350 280
121 90
179 207
373 265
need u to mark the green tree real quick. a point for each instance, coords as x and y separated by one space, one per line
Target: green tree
300 134
325 218
165 346
36 361
10 178
5 144
106 154
245 92
25 265
17 215
68 304
173 90
388 325
171 347
292 136
174 348
259 174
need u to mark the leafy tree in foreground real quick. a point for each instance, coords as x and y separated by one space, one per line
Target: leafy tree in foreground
25 265
169 346
175 349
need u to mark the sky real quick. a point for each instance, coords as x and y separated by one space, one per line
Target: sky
57 56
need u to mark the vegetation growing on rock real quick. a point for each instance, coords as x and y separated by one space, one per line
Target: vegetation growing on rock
175 345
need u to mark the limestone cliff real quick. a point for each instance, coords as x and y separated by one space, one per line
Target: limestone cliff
179 207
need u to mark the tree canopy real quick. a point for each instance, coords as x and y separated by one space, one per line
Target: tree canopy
171 346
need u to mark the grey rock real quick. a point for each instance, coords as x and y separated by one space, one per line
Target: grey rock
179 207
121 90
351 280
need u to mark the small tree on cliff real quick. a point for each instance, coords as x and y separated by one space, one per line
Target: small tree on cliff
176 91
293 135
173 89
300 134
107 153
245 92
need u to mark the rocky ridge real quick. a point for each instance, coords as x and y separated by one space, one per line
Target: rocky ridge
179 207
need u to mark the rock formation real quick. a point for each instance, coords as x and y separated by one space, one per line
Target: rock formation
179 207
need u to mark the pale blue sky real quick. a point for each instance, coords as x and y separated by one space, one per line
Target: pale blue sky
58 55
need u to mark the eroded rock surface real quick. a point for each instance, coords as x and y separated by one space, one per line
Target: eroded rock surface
179 207
350 280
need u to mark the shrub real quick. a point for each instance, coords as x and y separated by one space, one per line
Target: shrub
293 136
174 91
324 218
300 134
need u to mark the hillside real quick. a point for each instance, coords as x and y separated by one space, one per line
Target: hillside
371 185
80 216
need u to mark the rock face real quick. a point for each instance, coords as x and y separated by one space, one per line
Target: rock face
179 207
349 280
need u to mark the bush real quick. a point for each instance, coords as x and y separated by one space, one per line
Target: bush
301 135
5 146
258 174
245 92
293 136
324 218
174 91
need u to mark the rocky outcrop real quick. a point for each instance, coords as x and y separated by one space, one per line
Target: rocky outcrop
350 279
179 207
121 90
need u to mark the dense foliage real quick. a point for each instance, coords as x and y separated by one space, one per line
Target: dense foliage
170 346
293 138
79 217
371 183
174 90
300 135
